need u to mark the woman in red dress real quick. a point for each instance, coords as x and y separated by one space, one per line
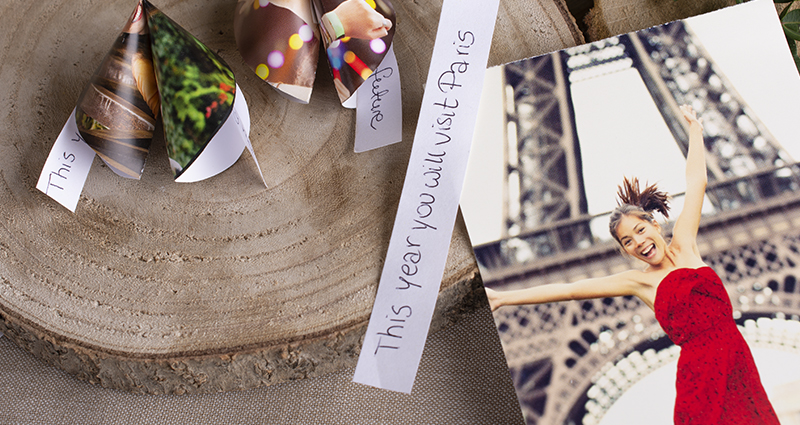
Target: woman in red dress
717 380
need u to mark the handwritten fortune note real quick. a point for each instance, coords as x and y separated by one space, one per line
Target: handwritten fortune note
415 260
379 117
65 170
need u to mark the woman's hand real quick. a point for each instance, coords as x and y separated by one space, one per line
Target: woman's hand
494 298
361 21
691 116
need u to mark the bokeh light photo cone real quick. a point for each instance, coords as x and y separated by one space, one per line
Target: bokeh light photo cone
279 39
280 42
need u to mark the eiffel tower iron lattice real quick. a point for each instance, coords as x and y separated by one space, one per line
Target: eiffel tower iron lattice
544 184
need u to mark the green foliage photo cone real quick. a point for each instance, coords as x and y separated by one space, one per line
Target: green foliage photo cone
196 87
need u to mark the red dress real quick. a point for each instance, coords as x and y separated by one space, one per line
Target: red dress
717 379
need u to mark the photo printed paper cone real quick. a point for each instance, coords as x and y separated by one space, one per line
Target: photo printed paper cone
280 42
155 67
357 34
197 88
279 39
117 110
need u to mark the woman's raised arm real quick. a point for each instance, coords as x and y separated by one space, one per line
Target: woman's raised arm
609 286
684 233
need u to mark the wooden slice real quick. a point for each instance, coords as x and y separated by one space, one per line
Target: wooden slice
613 17
158 287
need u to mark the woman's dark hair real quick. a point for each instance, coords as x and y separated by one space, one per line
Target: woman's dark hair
638 203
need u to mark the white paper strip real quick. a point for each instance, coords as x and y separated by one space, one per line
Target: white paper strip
379 120
415 260
65 170
225 148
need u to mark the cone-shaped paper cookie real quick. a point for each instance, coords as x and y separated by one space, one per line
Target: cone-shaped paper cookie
356 34
155 66
116 111
280 42
197 88
279 39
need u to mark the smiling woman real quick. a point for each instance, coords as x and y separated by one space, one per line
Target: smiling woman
632 224
717 380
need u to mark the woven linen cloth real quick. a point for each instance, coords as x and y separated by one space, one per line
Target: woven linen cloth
463 379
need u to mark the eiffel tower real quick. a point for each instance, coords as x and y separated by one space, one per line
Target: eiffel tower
570 361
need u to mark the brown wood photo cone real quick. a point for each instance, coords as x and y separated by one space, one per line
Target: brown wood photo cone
158 287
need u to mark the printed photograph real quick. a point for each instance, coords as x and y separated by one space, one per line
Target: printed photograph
280 42
634 206
117 110
197 88
356 35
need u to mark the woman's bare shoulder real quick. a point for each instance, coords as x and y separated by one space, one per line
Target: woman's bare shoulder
645 284
636 279
685 256
635 276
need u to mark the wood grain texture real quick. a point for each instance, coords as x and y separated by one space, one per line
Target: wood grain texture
613 17
158 287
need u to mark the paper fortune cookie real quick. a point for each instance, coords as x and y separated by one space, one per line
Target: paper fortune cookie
156 67
279 40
